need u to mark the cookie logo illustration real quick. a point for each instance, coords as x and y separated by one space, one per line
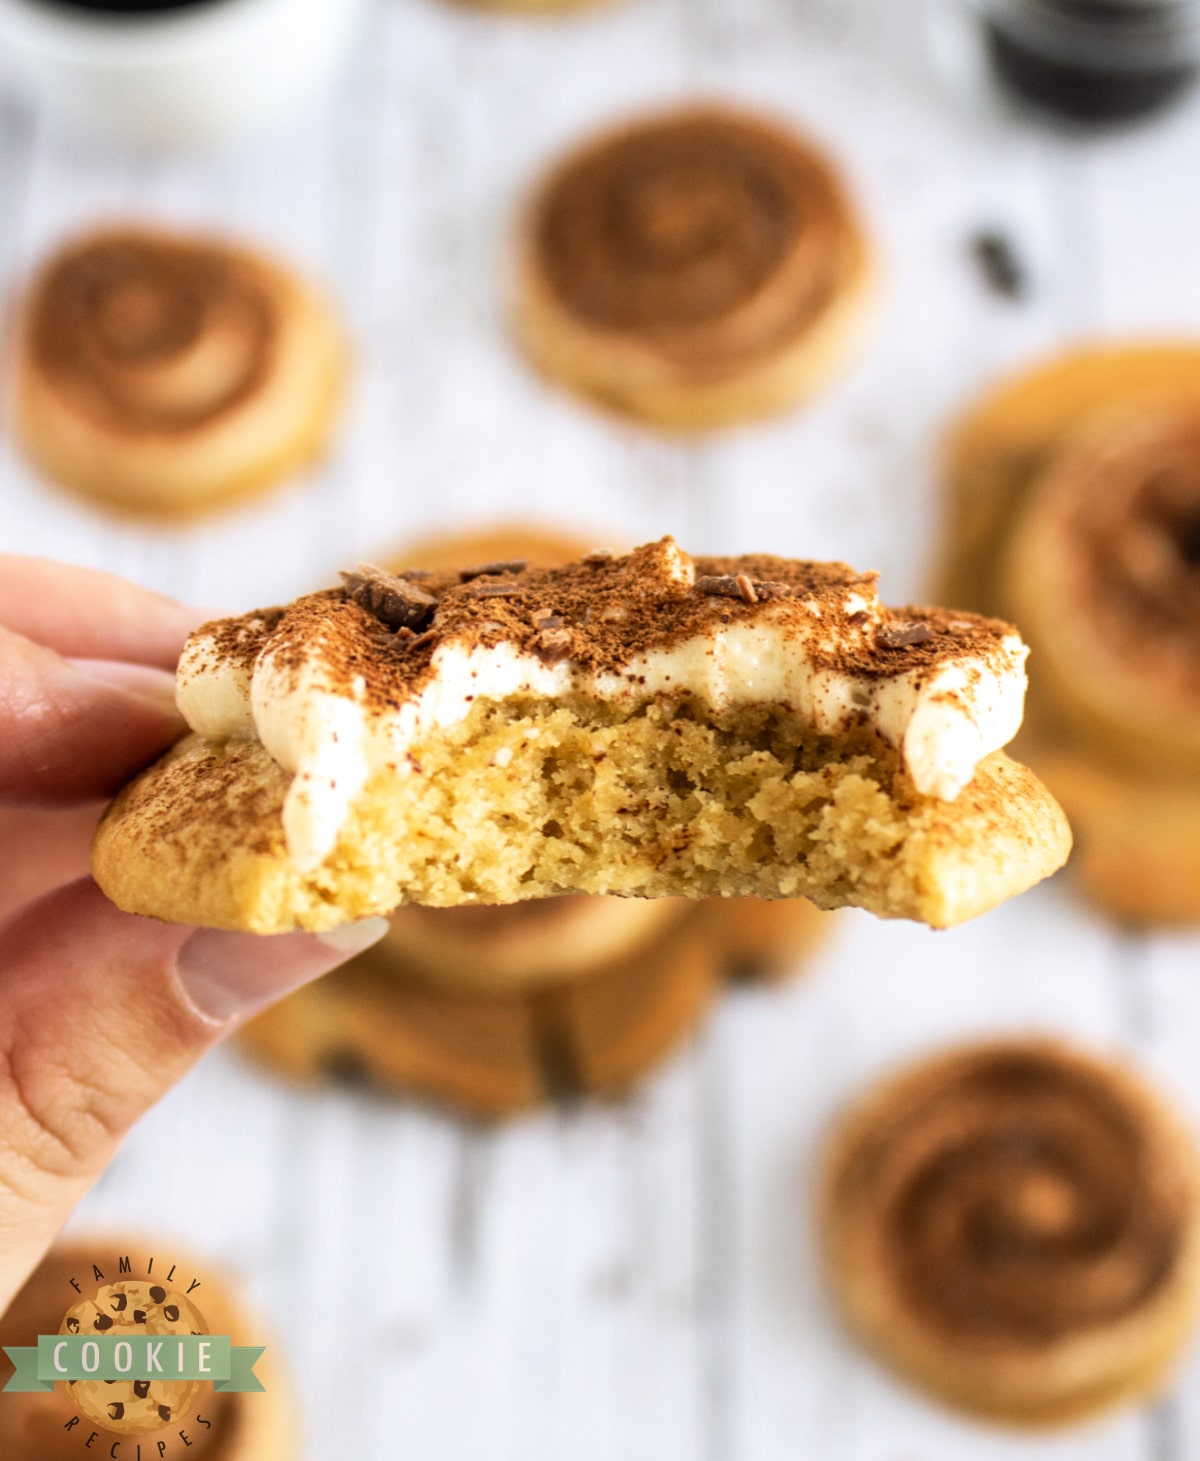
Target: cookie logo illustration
132 1369
129 1311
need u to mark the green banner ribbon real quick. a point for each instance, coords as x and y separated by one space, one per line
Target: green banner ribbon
142 1357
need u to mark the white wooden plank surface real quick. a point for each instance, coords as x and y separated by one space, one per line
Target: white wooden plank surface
636 1281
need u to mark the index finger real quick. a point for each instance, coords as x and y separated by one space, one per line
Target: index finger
86 614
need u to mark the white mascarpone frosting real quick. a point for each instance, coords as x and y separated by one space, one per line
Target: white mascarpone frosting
944 690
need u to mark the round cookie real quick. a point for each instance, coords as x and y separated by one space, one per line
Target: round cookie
592 1032
694 269
1057 516
1102 572
494 1054
164 373
528 945
240 1427
127 1310
1015 1228
995 449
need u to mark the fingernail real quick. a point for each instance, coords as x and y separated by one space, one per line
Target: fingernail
157 686
228 976
353 938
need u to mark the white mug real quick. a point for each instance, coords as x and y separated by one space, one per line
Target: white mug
203 74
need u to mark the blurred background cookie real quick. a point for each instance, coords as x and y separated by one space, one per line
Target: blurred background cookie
1073 508
469 1006
696 268
241 1427
164 373
1015 1227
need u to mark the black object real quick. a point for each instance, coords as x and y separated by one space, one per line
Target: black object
1000 263
1094 60
127 7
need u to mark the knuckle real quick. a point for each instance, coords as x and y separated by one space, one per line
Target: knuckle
58 1123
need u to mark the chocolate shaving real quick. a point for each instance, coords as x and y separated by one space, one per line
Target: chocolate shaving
725 587
488 570
547 621
900 636
495 591
396 602
772 590
554 645
422 640
746 588
598 557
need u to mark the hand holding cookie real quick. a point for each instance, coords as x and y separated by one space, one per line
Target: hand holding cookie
100 1013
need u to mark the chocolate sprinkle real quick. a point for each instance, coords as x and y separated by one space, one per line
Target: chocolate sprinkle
552 646
495 591
725 587
486 570
900 636
396 602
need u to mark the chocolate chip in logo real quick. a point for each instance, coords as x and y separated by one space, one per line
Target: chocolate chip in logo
158 1294
141 1388
172 1312
139 1316
900 636
103 1322
164 1412
116 1411
119 1303
72 1325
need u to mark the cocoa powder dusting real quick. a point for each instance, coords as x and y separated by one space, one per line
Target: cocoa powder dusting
602 614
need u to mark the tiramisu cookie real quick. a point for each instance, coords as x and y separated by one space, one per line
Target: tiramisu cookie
1015 1227
163 373
639 725
128 1414
1074 509
695 268
491 949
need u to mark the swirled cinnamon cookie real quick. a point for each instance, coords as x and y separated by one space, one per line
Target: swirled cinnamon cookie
696 268
495 1010
1074 508
1015 1227
164 373
643 725
124 1415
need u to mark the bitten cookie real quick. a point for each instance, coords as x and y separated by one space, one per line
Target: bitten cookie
643 725
1015 1227
1073 503
164 373
695 269
219 1427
